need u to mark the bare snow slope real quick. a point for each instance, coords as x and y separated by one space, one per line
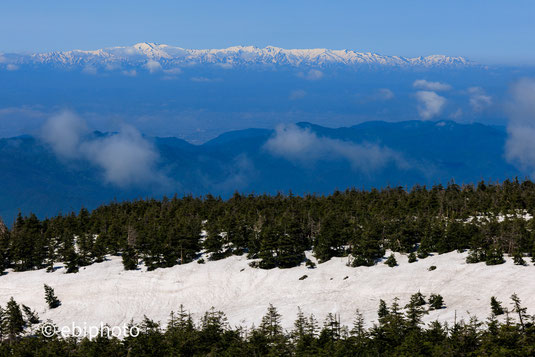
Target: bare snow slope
106 293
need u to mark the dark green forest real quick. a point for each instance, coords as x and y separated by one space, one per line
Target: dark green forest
399 331
276 230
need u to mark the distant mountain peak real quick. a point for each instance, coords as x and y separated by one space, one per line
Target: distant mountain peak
142 52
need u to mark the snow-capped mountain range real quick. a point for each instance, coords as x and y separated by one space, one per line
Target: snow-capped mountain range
165 55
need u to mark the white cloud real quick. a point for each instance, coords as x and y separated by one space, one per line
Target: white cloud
431 86
430 104
297 94
131 73
63 132
225 65
520 145
92 70
312 75
305 147
205 79
112 66
173 71
479 100
153 66
125 158
457 114
384 94
12 67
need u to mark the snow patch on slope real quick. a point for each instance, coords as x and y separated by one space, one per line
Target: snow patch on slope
106 293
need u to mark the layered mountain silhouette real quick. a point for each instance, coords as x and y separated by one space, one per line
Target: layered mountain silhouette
304 158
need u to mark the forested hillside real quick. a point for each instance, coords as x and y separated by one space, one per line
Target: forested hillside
489 219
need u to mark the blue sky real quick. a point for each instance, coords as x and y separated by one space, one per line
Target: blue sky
490 31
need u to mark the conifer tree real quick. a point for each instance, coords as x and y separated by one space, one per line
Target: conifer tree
31 316
391 261
358 329
99 248
496 306
366 251
13 319
520 310
49 262
415 310
271 323
494 256
412 257
129 258
382 312
2 323
50 297
475 256
299 330
312 326
436 302
417 299
213 324
71 261
4 245
518 258
331 328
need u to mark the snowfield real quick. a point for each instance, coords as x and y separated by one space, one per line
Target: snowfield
106 293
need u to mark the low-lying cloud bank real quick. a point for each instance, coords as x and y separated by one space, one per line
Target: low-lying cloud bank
125 158
428 85
520 145
479 100
430 104
304 147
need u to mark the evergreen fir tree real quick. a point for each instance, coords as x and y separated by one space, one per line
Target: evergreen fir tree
422 253
494 256
415 310
2 323
299 330
496 306
366 251
49 262
436 302
520 310
358 329
4 246
412 257
417 299
391 261
50 297
475 256
518 258
31 316
331 328
312 326
382 312
129 258
271 323
99 248
13 320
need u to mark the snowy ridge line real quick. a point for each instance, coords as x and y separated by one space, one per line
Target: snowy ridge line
232 56
105 292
